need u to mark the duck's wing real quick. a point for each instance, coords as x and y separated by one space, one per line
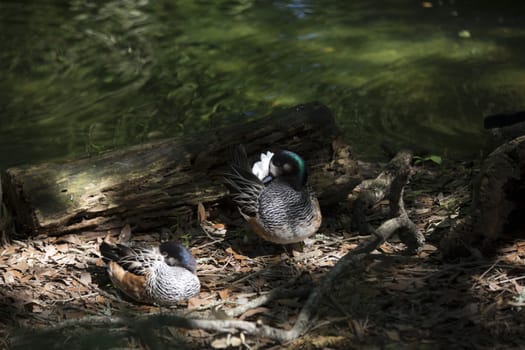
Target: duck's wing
133 259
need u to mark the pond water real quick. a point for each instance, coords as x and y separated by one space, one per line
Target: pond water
82 76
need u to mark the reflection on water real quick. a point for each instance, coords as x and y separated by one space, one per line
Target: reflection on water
81 76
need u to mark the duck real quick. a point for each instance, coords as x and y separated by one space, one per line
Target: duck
163 274
273 195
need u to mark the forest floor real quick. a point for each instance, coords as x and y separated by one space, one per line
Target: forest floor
54 289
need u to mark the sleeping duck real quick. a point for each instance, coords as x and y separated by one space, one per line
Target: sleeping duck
162 275
273 195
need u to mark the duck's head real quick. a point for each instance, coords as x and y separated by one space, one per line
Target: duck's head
175 254
289 167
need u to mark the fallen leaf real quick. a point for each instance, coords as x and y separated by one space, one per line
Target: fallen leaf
73 239
16 274
81 265
235 255
201 212
100 263
196 333
221 343
196 302
252 312
9 250
85 278
223 294
21 266
42 272
77 289
125 234
393 335
245 269
196 251
33 306
429 247
63 248
50 251
325 263
74 314
226 342
9 278
327 342
296 254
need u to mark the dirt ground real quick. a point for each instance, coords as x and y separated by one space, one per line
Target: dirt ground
51 287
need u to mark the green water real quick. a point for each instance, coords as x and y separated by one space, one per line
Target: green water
80 77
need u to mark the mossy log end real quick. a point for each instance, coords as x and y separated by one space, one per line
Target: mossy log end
158 184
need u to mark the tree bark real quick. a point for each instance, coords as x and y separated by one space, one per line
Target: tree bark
498 204
499 192
158 184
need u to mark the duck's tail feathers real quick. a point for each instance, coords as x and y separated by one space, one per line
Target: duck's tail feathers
245 189
114 252
238 156
239 176
135 260
244 186
239 161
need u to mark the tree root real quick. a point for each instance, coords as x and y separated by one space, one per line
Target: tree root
388 184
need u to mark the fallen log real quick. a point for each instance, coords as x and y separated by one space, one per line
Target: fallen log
159 184
499 192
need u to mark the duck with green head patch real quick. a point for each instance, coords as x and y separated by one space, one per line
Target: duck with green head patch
273 195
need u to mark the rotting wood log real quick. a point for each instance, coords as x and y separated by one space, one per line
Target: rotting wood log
498 204
499 192
159 184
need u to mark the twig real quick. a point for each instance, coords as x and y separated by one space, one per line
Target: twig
390 183
515 303
213 239
276 293
84 296
489 269
253 274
